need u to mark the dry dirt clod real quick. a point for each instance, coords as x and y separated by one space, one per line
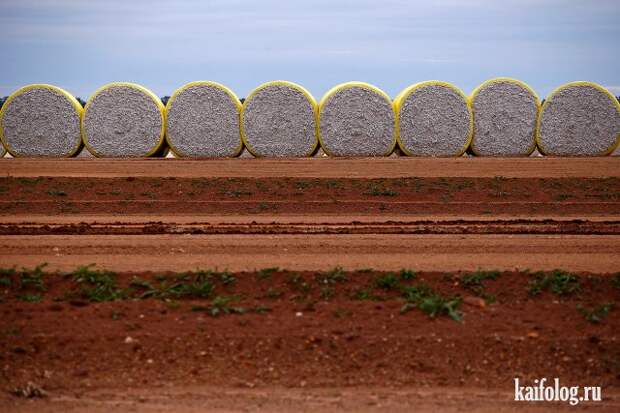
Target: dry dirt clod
30 390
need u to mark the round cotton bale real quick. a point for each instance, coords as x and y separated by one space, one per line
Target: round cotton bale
579 119
123 120
41 121
505 114
202 120
279 119
433 119
356 119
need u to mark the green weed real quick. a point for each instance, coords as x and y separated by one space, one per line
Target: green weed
386 282
266 273
475 281
558 282
596 314
430 302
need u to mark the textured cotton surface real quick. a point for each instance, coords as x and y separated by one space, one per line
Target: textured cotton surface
122 121
505 115
203 121
279 121
579 120
356 121
434 120
41 122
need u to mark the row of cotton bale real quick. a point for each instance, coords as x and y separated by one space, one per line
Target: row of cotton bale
501 117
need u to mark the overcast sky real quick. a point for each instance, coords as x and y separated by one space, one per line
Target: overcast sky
80 45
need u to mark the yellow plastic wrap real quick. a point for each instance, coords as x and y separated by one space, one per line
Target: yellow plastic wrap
404 94
573 84
154 98
348 85
70 98
295 86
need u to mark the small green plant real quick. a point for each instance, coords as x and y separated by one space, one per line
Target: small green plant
301 185
596 314
558 282
327 292
273 294
430 302
227 278
615 280
220 305
30 298
32 279
97 286
298 282
266 273
378 190
333 276
56 192
6 276
362 294
475 281
386 282
407 275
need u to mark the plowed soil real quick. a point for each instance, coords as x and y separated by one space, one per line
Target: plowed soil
324 346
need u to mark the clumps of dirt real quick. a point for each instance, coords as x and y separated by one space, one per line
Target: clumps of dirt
505 114
357 119
124 120
41 121
433 119
279 120
579 119
202 120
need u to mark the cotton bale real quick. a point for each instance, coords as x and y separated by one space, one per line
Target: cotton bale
433 118
41 121
505 115
579 119
356 119
202 120
124 120
279 119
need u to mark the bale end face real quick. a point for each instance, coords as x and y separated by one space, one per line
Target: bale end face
123 120
579 119
357 119
41 121
505 114
279 119
433 118
202 120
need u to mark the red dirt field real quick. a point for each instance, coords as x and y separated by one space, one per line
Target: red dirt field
293 341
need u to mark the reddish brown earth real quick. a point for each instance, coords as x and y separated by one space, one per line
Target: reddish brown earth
340 331
438 216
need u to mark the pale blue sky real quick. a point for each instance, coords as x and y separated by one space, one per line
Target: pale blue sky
81 45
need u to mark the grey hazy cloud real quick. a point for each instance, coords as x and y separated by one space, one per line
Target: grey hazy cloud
81 45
